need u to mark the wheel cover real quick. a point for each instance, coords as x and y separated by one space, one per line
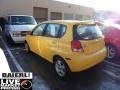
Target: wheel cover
60 68
111 52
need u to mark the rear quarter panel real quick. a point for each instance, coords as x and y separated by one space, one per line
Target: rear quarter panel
64 47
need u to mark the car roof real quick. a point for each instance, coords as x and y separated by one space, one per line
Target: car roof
71 21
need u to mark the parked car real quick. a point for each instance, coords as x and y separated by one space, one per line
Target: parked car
17 26
112 37
71 46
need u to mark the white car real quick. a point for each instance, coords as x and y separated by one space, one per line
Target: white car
18 26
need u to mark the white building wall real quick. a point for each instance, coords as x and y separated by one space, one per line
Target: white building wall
16 7
26 7
54 6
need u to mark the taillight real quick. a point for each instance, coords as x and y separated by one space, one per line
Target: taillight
76 46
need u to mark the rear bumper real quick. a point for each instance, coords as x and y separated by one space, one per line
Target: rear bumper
82 62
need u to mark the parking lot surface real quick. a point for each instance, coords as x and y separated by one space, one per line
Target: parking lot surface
104 76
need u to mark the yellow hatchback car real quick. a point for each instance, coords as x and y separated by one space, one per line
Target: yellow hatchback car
71 46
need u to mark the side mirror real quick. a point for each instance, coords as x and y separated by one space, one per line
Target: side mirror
0 29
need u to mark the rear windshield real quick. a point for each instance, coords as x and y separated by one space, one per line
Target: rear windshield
22 20
86 32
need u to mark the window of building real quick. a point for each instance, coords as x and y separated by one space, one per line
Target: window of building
78 17
86 17
56 16
68 16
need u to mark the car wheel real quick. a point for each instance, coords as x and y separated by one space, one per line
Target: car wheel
112 52
61 68
27 49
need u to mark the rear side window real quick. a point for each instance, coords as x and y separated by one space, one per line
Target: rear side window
52 30
86 32
62 30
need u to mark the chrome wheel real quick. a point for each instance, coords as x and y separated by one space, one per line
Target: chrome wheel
60 68
111 52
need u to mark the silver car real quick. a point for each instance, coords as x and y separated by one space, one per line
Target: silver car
18 26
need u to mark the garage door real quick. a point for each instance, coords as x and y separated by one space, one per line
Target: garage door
78 17
40 14
56 16
68 16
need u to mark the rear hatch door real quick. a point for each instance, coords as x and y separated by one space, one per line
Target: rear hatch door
90 37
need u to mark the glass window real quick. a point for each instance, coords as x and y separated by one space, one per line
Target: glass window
38 31
68 16
78 17
63 30
52 30
86 32
22 20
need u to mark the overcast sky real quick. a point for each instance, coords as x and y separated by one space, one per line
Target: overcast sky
113 5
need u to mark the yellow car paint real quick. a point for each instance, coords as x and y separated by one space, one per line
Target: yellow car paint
47 47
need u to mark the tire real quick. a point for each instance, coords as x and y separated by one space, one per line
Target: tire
61 68
27 48
111 52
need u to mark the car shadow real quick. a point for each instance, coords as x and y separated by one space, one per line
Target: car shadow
87 79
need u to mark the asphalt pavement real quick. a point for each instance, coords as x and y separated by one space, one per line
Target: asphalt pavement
104 76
